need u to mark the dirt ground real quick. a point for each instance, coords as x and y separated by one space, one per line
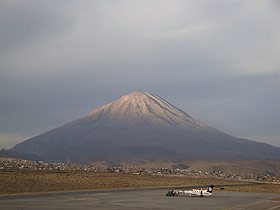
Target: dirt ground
32 181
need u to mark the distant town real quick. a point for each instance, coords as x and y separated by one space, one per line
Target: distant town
11 163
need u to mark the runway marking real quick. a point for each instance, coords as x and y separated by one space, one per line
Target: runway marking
258 205
275 207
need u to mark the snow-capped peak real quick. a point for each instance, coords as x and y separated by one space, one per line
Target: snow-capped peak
143 109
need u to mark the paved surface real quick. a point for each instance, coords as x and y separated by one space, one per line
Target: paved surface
139 199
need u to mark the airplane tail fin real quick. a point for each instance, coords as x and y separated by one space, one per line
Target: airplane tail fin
210 188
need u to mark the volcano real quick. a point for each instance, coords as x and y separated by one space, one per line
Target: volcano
141 125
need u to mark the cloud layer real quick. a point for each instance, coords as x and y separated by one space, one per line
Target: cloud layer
217 60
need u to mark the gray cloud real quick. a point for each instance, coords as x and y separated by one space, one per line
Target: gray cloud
216 60
29 22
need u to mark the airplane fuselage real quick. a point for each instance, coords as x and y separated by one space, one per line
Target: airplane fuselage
194 192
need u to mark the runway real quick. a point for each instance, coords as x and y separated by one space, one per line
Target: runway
139 199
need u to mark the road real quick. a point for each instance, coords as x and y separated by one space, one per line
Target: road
139 199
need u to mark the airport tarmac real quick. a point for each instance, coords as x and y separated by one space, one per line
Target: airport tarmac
139 199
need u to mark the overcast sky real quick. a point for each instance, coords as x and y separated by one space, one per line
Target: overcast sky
217 60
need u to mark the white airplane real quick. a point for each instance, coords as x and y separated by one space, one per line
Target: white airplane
193 192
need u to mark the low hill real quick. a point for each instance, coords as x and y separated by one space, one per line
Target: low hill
24 156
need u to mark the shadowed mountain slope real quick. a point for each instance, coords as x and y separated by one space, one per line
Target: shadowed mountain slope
141 125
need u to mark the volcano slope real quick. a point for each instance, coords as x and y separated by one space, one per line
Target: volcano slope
141 125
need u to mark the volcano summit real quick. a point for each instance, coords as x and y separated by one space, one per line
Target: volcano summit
141 125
